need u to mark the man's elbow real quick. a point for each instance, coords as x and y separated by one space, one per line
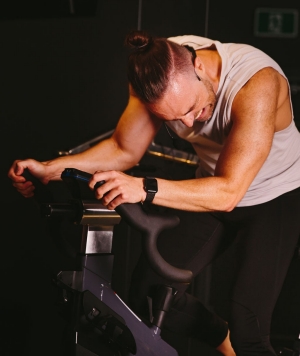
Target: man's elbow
231 202
228 208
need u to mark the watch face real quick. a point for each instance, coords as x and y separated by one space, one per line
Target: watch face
151 185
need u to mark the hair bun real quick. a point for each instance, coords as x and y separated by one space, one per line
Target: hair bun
138 40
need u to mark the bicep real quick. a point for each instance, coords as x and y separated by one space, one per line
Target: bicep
136 128
253 124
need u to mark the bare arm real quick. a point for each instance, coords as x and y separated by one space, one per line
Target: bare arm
134 132
131 138
260 106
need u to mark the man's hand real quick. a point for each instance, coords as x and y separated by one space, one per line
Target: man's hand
24 187
118 188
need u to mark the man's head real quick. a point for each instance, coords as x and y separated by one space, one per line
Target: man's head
166 77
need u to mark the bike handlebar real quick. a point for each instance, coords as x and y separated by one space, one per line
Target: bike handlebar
149 224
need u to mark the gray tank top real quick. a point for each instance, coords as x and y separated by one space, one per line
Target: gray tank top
281 171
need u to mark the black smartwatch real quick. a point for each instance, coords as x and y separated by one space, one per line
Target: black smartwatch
150 186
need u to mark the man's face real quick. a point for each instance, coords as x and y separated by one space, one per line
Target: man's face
187 99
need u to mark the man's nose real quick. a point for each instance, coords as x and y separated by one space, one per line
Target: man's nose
188 120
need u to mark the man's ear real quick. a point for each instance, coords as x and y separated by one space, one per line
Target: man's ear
198 63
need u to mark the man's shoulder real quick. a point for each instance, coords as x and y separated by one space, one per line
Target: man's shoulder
191 40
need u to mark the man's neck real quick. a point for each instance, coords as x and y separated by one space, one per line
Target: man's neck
212 63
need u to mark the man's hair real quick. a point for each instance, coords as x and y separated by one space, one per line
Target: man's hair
152 63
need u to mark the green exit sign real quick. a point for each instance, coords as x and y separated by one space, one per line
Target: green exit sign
269 22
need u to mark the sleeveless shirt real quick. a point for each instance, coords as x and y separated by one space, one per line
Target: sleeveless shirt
281 171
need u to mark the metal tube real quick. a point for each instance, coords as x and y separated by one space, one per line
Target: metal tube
139 23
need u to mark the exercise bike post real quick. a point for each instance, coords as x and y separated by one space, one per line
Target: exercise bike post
97 317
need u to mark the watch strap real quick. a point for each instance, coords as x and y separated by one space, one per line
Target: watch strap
150 187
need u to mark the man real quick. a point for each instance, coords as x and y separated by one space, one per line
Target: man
232 102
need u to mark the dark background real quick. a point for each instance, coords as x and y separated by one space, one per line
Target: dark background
63 82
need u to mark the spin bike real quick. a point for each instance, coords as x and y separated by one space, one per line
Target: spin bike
100 322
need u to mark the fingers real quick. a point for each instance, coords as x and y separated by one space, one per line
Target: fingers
15 172
115 196
118 188
26 188
112 192
18 167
